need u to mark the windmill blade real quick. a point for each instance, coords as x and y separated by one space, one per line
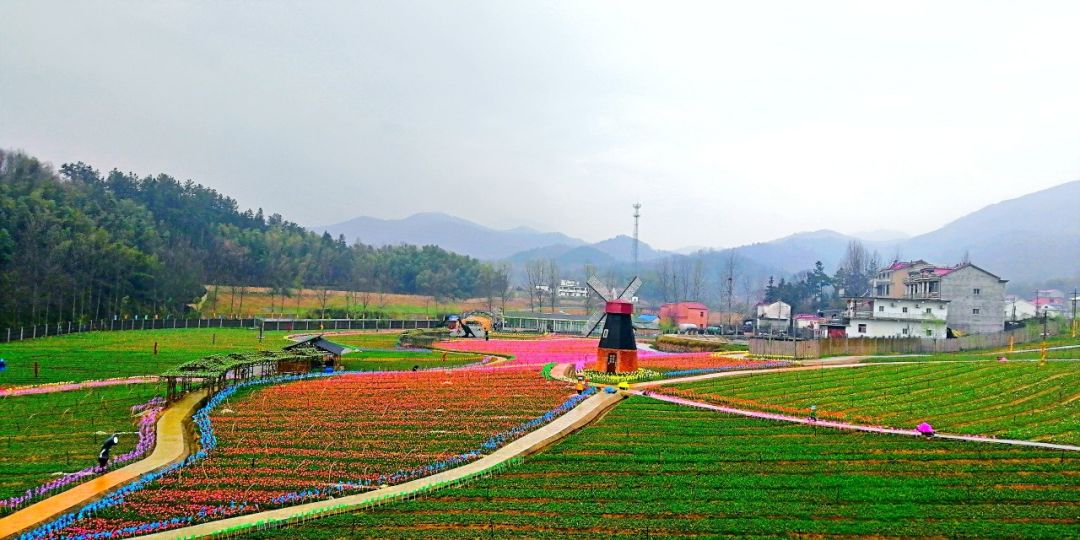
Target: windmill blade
599 288
593 322
630 289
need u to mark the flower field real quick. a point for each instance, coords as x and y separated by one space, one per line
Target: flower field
288 443
45 434
529 352
654 469
1019 400
582 353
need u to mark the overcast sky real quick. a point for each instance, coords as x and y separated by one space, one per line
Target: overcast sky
730 122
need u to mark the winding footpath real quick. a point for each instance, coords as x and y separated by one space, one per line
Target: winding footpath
172 446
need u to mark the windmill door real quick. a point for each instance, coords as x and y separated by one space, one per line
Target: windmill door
612 362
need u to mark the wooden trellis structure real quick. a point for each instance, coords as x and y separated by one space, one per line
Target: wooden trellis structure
219 371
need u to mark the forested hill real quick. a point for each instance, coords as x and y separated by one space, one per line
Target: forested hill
79 245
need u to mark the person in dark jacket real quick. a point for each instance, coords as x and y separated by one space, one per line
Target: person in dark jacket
103 456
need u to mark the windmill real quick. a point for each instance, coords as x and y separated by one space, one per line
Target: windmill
618 348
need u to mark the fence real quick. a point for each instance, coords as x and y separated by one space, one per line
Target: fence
45 330
804 349
347 324
543 324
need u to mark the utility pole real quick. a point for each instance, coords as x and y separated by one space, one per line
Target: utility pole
637 216
1074 298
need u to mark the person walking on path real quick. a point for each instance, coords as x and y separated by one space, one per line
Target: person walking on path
813 413
103 456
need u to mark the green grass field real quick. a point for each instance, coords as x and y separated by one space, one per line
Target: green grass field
1019 400
102 355
655 469
47 433
373 340
405 360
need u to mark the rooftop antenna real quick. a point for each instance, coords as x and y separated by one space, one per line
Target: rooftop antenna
637 214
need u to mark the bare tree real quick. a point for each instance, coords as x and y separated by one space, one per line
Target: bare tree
727 280
856 269
665 277
589 271
536 280
696 279
553 283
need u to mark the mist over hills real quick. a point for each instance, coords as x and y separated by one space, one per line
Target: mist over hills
1032 238
448 232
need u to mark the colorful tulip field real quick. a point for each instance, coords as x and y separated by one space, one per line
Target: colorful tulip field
1017 400
645 468
651 469
282 444
581 353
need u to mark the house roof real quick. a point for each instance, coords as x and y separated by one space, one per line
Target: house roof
320 343
688 305
946 270
900 265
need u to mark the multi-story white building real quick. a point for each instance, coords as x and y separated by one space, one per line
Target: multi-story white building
896 317
569 288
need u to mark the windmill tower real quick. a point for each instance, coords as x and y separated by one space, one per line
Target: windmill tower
618 348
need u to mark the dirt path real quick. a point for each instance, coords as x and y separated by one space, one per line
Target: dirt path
575 419
170 448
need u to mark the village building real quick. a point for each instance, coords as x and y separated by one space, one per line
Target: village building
876 317
976 297
889 281
680 313
772 318
569 288
327 353
1018 309
811 325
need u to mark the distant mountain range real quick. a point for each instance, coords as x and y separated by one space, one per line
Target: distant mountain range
1031 238
448 232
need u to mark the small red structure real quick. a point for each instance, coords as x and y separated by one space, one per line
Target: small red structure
618 348
694 313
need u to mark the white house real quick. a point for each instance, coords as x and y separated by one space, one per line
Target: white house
774 317
1018 309
569 288
897 317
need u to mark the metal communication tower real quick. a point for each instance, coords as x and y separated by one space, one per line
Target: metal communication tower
637 214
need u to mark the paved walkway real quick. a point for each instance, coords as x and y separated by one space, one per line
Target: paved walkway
587 411
851 427
170 448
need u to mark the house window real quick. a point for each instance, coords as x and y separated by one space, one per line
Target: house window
881 308
905 331
975 311
862 328
929 333
905 310
929 311
975 291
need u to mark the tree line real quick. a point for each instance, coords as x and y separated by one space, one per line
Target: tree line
79 245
